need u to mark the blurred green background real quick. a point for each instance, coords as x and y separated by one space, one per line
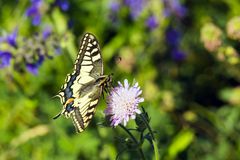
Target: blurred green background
184 54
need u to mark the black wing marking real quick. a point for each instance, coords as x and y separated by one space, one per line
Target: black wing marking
82 86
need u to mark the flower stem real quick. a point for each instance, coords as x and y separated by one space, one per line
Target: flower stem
135 141
149 128
156 152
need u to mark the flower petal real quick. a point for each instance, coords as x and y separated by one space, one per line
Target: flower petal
122 103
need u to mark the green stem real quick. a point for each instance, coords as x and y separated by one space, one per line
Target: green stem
149 128
135 141
156 152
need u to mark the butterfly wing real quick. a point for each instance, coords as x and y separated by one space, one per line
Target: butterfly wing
81 92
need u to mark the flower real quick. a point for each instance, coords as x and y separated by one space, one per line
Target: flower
211 37
5 58
46 33
172 36
11 38
63 4
136 7
233 28
178 55
175 8
57 49
33 67
34 12
70 23
151 22
114 6
122 103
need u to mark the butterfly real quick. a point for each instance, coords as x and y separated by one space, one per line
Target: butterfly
83 88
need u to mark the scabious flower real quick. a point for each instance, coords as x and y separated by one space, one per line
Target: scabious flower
122 103
136 7
34 12
5 58
152 22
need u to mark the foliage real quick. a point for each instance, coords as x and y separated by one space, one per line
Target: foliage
184 55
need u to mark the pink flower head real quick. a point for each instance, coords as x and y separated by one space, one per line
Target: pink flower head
122 103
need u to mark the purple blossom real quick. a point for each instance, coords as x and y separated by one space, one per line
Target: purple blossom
11 38
63 4
122 103
114 6
5 58
178 55
152 22
46 33
2 39
70 24
33 67
172 36
34 12
173 7
136 7
58 50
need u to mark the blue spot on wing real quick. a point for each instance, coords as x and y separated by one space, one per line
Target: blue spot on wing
68 91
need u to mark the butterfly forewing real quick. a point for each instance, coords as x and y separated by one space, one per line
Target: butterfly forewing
82 89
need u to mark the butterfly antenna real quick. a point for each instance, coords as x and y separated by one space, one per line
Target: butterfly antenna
55 96
58 115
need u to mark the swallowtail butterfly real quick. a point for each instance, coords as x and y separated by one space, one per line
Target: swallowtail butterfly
83 88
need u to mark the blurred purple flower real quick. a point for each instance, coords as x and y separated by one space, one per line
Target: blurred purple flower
46 33
136 7
114 6
11 38
172 36
152 22
5 58
70 23
178 55
58 50
34 12
2 39
123 103
63 4
173 7
33 67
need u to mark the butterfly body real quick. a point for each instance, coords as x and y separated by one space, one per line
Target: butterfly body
84 86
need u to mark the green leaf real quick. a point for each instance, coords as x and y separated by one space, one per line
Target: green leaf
180 142
59 21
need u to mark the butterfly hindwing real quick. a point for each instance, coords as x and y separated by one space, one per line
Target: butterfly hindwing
83 87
